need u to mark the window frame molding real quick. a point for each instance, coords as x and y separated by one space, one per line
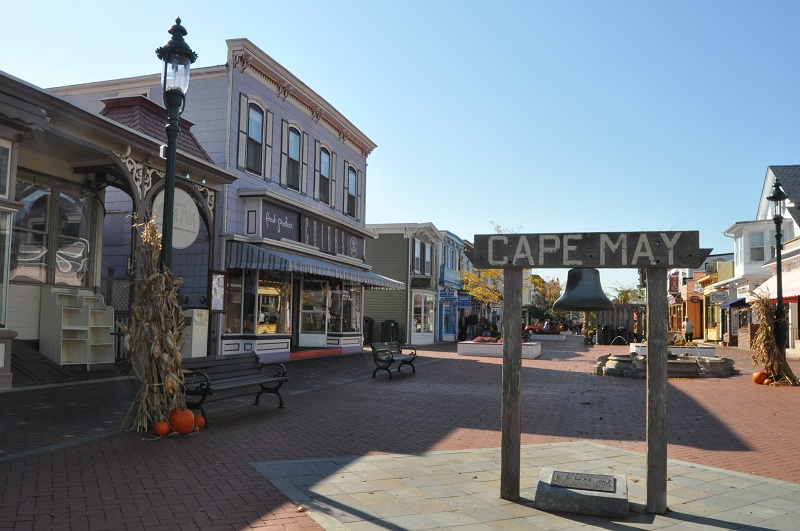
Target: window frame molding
303 169
356 214
319 145
245 103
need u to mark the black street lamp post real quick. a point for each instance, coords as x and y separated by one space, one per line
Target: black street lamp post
778 203
177 57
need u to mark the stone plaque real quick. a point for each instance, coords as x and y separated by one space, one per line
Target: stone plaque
578 480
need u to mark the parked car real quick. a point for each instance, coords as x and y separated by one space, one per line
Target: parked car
545 326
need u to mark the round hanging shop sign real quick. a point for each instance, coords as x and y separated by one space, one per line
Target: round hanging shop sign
185 218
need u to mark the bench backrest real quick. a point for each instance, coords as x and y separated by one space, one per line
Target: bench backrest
385 345
227 366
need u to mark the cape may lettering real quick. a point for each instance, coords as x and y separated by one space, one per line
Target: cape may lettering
589 249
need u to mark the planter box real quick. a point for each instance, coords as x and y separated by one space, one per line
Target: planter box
530 350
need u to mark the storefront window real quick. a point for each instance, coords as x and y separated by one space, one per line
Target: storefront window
345 309
273 304
711 315
257 302
5 241
743 317
5 168
233 303
72 246
423 313
29 242
51 237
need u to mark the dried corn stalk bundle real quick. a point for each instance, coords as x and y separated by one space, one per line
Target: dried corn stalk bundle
154 337
764 349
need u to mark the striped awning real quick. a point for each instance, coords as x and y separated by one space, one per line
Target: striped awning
248 256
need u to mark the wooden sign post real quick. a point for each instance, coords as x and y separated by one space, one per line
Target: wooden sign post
653 251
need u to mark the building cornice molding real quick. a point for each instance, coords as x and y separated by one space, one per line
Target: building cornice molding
248 58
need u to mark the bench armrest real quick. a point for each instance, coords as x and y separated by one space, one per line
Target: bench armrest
383 353
203 384
279 368
411 350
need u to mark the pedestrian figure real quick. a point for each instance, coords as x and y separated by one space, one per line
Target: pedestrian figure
472 326
688 329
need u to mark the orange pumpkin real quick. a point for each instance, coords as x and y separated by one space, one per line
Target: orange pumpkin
199 421
161 428
759 377
767 381
182 421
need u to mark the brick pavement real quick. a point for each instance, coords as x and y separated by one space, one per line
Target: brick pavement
64 465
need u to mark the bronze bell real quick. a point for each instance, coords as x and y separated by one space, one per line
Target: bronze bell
583 291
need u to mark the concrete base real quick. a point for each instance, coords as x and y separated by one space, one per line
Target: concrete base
579 501
530 350
697 350
550 337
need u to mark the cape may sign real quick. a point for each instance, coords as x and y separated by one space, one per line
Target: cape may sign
589 249
655 253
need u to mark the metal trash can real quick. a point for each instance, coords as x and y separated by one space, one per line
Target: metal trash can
369 323
605 335
623 333
389 330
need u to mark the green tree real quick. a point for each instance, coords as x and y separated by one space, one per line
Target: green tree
548 291
484 284
624 294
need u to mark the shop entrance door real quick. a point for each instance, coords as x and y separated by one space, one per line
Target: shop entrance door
314 313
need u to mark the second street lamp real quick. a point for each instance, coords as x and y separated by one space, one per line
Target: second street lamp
177 57
778 202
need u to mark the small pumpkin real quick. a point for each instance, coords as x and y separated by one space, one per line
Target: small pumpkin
759 377
161 428
182 421
767 381
199 421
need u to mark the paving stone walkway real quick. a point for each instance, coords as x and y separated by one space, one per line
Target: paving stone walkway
65 465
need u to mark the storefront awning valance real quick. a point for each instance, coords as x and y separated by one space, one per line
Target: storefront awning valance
248 256
790 281
735 303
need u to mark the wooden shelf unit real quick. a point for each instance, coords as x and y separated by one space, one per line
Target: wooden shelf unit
75 327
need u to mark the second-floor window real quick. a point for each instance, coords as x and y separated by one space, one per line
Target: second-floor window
255 139
351 192
772 245
255 132
323 173
294 161
423 256
756 246
738 249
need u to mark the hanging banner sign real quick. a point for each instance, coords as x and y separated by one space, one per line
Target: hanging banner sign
719 297
589 249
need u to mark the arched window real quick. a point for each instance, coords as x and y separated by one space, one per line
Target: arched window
324 185
255 139
293 161
351 192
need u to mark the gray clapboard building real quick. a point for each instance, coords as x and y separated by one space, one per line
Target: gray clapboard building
289 253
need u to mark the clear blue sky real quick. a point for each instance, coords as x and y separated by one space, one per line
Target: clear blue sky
556 116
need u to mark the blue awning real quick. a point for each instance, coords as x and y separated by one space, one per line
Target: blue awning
735 303
248 256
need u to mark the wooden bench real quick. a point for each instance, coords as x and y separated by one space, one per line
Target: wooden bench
207 377
389 352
